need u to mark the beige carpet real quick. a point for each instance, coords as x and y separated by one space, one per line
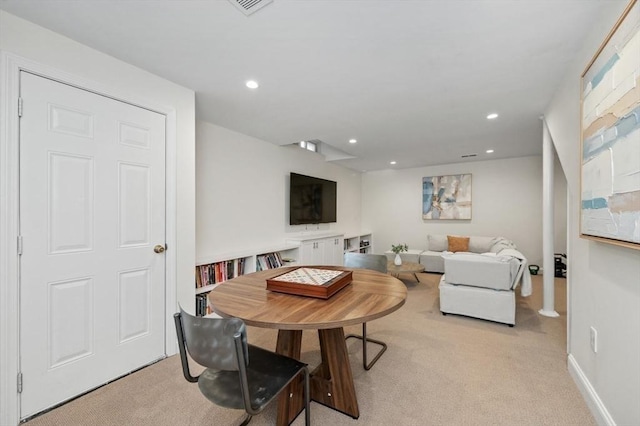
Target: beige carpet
438 370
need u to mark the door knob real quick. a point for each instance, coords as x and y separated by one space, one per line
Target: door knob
159 248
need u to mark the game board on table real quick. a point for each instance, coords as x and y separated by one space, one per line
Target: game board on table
314 282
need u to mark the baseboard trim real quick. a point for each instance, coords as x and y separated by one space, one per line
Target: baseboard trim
595 404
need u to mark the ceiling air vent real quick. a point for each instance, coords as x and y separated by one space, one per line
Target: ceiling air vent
250 6
469 155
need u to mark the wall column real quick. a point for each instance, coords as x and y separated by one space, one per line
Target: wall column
548 233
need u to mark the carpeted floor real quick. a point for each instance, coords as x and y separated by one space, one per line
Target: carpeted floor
438 370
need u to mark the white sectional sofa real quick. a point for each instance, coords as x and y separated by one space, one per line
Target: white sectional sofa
480 275
432 258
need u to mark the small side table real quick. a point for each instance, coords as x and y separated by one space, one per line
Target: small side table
406 267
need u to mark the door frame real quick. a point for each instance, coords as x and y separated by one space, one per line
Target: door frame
10 67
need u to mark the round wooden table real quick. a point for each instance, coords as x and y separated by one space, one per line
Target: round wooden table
406 267
370 295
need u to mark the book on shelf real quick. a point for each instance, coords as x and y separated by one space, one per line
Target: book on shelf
269 261
230 265
203 306
219 272
198 277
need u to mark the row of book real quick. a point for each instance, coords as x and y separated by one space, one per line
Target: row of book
202 305
269 261
215 273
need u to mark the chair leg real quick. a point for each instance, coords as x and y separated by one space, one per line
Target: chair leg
307 397
365 340
246 420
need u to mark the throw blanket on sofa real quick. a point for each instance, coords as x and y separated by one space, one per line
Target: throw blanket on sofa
501 243
524 274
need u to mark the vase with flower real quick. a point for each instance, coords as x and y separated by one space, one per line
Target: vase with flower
397 249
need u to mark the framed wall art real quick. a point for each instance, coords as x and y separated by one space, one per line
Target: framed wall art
610 136
446 197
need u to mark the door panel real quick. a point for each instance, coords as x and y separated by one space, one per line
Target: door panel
133 206
92 207
70 318
134 309
71 201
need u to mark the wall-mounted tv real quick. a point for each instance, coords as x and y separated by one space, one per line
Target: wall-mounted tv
311 200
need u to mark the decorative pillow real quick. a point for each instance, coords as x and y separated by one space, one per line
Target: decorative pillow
458 243
480 244
437 243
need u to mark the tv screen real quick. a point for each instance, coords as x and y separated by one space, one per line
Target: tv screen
311 200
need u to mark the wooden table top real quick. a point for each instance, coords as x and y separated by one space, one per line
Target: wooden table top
370 295
409 267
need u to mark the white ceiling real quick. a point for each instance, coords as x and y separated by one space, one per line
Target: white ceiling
412 81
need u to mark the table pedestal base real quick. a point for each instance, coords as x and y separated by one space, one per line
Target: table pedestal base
331 382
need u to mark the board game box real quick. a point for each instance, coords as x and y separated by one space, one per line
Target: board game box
313 282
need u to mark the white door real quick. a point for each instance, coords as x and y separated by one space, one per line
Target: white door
92 208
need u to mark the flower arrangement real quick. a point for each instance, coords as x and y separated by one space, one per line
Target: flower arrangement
399 248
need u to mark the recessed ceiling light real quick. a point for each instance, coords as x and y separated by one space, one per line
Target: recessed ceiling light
492 116
489 151
252 84
352 141
393 162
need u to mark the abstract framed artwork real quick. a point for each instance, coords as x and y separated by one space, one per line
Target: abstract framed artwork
610 136
446 197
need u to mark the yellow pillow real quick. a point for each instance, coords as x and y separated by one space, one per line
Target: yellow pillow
458 243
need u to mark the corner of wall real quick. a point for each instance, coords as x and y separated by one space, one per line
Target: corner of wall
595 404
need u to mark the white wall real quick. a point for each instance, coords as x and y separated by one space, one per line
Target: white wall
506 197
34 44
603 280
242 191
560 208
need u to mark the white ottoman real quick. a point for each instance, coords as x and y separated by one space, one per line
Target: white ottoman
478 302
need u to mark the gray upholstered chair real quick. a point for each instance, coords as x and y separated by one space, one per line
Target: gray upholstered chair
376 262
238 375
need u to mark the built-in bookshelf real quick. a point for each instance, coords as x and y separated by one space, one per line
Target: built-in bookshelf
209 275
360 243
213 271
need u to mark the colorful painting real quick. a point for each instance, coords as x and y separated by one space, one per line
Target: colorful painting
446 197
610 134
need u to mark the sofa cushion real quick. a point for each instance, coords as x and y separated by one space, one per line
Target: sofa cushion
432 261
458 243
480 244
437 243
482 270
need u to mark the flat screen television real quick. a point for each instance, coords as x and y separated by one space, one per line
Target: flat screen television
311 200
